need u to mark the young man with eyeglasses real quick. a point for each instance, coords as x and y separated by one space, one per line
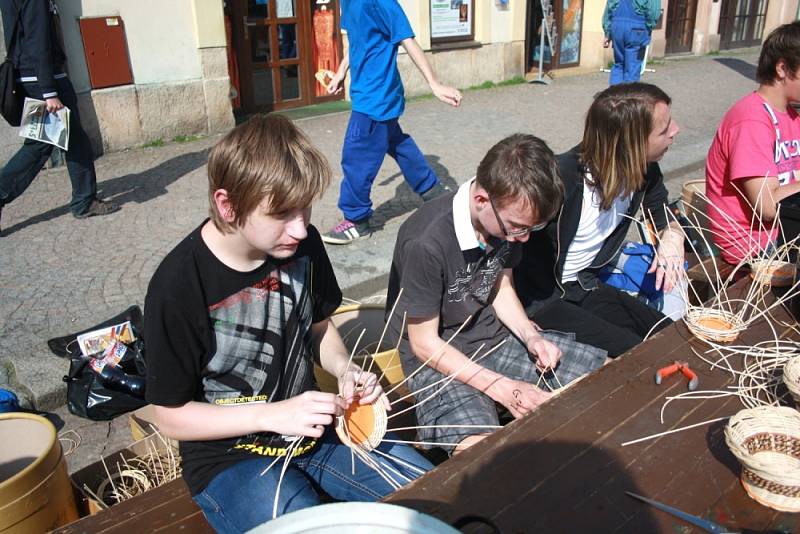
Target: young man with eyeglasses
451 278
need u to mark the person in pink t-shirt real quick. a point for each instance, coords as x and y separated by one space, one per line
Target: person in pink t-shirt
754 160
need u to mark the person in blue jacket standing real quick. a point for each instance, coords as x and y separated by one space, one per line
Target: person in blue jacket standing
627 25
375 31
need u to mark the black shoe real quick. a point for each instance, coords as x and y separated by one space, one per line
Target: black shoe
98 207
346 232
436 191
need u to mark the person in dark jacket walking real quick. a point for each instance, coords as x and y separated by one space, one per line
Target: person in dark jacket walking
607 178
39 63
627 25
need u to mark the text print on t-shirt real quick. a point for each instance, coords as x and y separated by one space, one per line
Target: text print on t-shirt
478 278
786 152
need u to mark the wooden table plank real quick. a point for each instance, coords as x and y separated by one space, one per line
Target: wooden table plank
168 508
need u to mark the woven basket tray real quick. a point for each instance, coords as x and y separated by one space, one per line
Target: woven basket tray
365 425
791 377
714 325
772 272
766 440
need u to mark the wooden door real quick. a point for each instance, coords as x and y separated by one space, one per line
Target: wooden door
681 16
271 53
741 23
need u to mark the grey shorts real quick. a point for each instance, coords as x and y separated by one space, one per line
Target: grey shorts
456 403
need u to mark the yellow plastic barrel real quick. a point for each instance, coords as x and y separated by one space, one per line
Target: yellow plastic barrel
351 320
35 491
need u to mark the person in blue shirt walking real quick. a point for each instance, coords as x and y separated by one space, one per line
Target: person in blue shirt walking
627 25
375 30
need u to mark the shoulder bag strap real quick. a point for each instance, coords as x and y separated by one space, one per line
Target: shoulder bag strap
13 40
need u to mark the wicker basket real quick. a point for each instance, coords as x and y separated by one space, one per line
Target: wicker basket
772 272
366 425
711 324
791 377
766 440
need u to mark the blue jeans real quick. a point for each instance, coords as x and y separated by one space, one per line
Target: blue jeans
239 498
23 167
629 39
366 143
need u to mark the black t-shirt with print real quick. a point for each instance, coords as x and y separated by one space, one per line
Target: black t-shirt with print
439 279
226 337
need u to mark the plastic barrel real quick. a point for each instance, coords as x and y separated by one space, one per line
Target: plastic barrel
35 491
372 517
350 321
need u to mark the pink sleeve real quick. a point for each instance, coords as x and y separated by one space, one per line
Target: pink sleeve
751 145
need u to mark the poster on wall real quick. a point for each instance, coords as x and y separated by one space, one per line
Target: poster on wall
452 19
571 23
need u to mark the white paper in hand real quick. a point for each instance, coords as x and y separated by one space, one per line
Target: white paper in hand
39 125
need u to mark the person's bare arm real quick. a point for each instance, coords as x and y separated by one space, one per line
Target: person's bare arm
511 313
448 95
519 397
763 194
336 84
304 415
669 259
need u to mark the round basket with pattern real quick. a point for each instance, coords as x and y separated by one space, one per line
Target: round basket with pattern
766 440
791 377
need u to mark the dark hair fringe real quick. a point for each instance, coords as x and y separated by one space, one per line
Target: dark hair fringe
783 43
522 166
267 156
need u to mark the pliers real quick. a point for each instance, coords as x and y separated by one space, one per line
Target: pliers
676 366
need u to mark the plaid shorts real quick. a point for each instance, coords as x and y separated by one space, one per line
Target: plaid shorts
459 404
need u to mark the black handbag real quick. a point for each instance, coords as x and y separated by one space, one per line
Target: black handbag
94 396
11 97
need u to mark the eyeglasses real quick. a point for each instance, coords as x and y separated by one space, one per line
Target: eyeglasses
515 233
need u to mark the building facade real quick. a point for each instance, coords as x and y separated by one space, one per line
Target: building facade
686 27
153 70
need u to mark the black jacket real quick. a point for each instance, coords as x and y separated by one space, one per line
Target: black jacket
37 53
538 275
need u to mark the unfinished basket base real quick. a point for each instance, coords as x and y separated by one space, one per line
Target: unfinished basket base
713 325
363 426
772 273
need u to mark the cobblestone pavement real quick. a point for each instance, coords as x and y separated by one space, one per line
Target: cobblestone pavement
59 274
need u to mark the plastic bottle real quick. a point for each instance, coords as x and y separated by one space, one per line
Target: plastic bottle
118 380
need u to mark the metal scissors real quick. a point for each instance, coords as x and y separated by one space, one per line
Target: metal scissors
705 524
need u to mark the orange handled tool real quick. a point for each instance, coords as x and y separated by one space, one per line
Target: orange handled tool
676 366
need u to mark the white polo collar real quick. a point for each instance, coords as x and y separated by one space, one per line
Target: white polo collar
465 232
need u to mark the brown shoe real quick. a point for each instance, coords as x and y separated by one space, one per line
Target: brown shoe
98 207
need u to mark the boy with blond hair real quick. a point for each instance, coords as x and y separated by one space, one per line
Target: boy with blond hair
236 315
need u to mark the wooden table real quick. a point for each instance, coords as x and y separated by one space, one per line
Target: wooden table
563 469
